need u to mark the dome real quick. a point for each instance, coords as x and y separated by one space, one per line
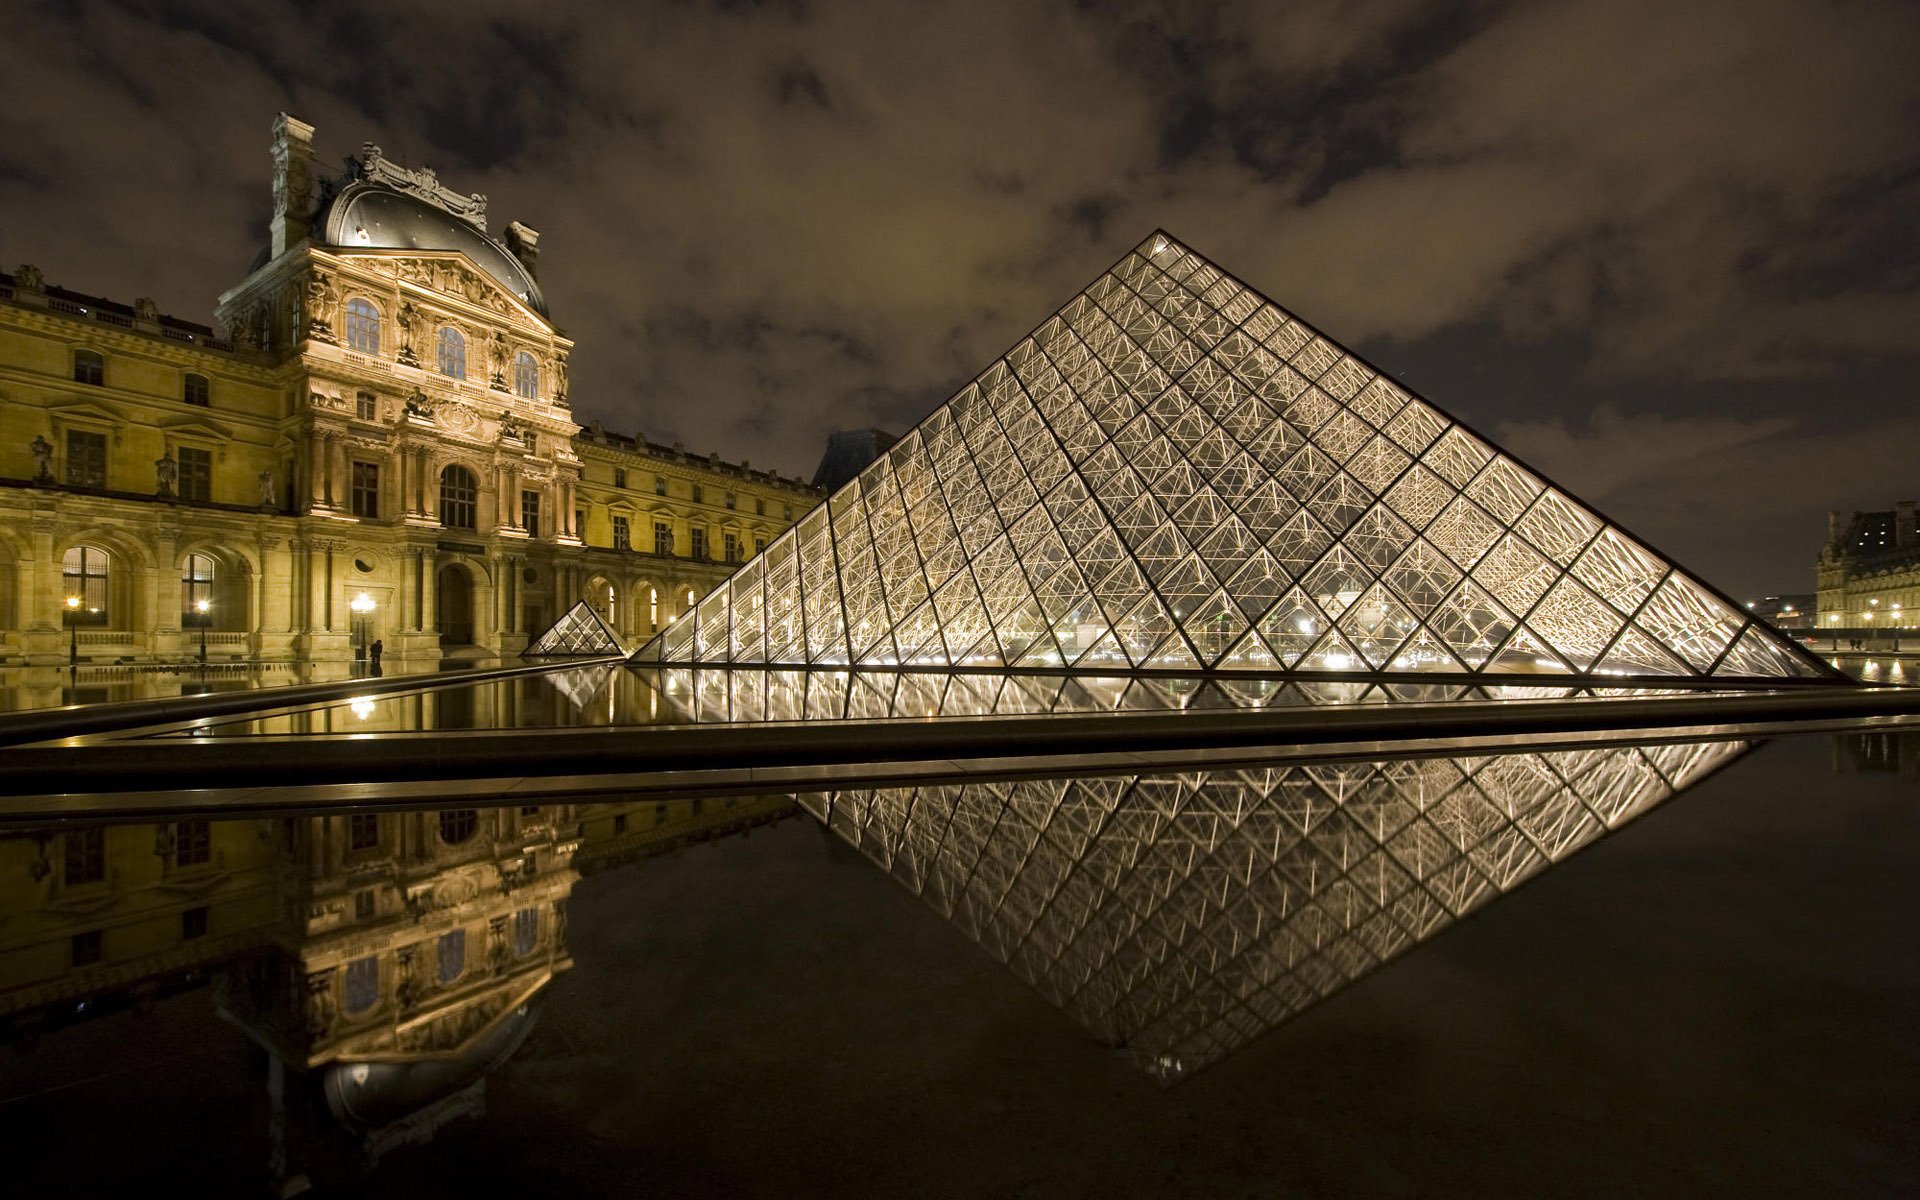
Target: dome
369 215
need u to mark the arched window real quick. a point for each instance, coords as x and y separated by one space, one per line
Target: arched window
458 824
526 376
196 586
363 326
452 955
653 609
89 367
453 353
83 576
459 498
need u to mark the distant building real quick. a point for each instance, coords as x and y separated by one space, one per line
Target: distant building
1791 612
1869 573
848 453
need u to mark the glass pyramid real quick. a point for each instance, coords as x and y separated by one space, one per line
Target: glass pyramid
1181 915
1173 473
579 631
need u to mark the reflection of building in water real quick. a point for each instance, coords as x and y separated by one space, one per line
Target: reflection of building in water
385 962
1179 916
1876 753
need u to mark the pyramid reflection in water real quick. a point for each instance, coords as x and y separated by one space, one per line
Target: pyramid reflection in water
1173 473
1180 915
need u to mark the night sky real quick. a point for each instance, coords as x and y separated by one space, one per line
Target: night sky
1666 251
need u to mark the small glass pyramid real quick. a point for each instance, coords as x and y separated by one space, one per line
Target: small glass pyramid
1173 473
579 631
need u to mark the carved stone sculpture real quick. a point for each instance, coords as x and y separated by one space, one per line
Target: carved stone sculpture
560 380
42 451
320 304
145 309
497 359
409 319
166 474
419 405
27 277
266 488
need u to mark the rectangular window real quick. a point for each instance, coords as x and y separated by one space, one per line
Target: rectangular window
699 547
86 853
699 494
733 548
760 506
365 406
619 477
452 954
526 931
759 545
86 948
363 905
89 367
193 923
196 473
662 538
530 513
580 522
732 500
620 533
86 458
363 984
619 822
366 489
194 390
659 485
192 843
363 831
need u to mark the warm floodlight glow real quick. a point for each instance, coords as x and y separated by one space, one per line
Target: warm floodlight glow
73 602
201 606
362 707
362 604
1172 473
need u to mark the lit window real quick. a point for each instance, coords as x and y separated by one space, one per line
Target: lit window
526 376
459 498
453 354
196 586
89 367
653 609
363 327
83 573
526 931
194 389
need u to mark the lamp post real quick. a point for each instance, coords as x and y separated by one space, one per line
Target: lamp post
73 631
202 607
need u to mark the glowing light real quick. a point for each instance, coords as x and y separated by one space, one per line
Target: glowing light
362 706
362 604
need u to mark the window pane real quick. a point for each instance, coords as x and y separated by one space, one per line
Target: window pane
453 354
526 376
363 327
196 473
366 489
363 984
194 389
452 955
459 498
86 458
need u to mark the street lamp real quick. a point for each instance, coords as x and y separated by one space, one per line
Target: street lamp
73 631
202 607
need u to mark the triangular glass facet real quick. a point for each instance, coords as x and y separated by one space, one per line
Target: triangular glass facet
1172 472
579 632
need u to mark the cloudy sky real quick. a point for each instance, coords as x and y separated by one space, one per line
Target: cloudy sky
1664 249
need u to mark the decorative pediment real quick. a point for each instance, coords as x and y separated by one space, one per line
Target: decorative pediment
87 408
193 427
450 274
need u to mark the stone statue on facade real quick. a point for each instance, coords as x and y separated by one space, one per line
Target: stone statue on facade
418 405
497 358
320 301
511 428
145 309
266 488
166 474
27 277
560 380
409 320
42 451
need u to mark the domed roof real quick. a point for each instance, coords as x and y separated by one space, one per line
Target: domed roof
371 215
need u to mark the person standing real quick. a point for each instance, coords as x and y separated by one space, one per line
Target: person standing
373 653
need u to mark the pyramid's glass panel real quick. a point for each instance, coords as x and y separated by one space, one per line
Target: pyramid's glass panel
579 631
1179 916
1172 472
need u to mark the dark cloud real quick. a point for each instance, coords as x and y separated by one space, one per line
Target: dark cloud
1588 225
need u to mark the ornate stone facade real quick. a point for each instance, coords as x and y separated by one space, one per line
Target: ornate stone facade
377 444
1869 574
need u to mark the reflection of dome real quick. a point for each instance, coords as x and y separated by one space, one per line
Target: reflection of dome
377 217
369 1095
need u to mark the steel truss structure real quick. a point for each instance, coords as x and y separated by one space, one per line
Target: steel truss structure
580 631
1178 916
1173 473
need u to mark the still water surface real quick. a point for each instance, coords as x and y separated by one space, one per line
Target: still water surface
958 991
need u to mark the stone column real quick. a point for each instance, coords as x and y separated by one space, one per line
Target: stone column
429 488
429 580
44 598
337 471
316 470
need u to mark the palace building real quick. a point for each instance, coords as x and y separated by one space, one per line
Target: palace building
1869 573
376 443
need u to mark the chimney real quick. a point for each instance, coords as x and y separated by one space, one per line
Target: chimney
524 242
1903 523
1834 528
292 182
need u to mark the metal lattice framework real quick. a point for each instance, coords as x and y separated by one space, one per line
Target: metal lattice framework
579 631
1173 473
1181 915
